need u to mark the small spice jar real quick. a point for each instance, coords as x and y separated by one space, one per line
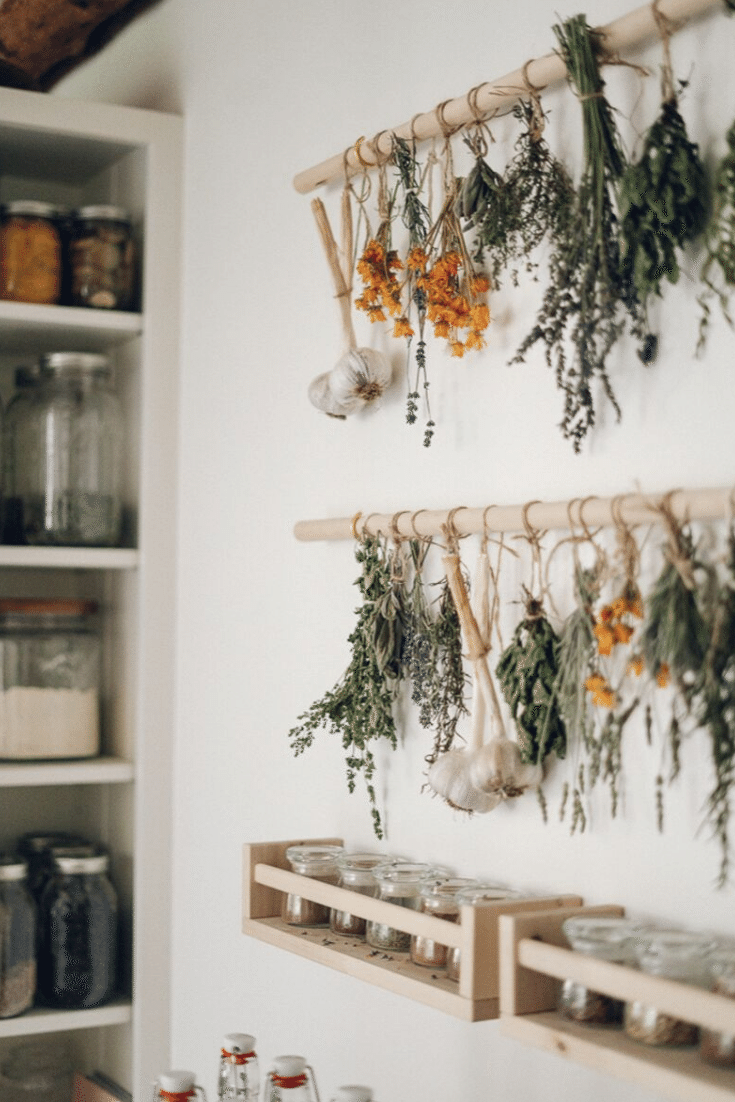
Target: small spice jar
318 863
716 1047
437 898
31 252
49 679
355 873
238 1076
399 883
77 964
291 1079
678 955
17 938
611 939
479 895
102 258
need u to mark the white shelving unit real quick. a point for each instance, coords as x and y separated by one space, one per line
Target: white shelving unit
75 153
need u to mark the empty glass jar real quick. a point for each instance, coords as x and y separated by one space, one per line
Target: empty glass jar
678 955
318 863
17 938
355 872
68 452
612 939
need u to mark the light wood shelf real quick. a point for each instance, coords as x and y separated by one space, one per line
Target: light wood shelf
58 1021
474 998
103 770
535 958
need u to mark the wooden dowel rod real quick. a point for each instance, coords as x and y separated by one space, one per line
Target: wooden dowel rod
629 30
703 504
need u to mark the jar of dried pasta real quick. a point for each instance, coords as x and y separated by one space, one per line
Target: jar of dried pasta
102 258
31 252
607 938
318 863
440 900
677 955
716 1047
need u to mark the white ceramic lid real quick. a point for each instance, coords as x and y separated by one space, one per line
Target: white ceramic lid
238 1042
176 1082
289 1066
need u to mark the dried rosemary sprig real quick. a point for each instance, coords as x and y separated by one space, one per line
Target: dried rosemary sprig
528 672
718 270
360 706
588 301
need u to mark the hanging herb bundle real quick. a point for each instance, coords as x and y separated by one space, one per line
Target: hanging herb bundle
528 672
488 208
360 706
663 194
588 301
718 270
432 658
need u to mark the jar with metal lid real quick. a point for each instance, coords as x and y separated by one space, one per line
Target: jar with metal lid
77 965
291 1079
17 938
49 679
37 849
398 883
26 377
677 955
69 452
177 1086
478 896
31 252
355 873
606 938
318 863
716 1047
102 258
238 1075
440 900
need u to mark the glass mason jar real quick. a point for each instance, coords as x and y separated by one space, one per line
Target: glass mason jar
17 938
318 863
238 1068
68 454
477 896
355 872
37 1069
399 883
102 258
26 378
37 851
612 939
438 899
678 955
177 1086
291 1079
716 1047
49 679
31 252
78 946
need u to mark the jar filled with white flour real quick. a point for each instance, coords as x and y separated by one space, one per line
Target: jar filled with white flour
49 679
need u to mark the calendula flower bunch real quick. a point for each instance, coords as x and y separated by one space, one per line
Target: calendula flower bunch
454 299
603 694
377 269
612 626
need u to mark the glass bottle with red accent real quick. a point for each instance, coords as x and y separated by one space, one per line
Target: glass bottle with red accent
239 1076
290 1079
177 1086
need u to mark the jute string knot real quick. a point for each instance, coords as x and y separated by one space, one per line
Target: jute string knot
675 550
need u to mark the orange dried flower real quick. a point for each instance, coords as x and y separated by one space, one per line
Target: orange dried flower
622 632
636 665
457 348
402 328
605 637
602 693
663 675
479 284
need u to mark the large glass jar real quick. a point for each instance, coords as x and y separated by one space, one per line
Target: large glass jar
49 679
318 863
77 965
68 454
481 895
716 1047
26 378
612 939
31 252
355 873
37 850
398 883
440 900
677 955
102 257
17 938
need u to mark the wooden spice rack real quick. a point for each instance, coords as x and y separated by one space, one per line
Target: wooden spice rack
477 995
534 958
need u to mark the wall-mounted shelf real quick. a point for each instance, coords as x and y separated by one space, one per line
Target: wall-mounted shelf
475 998
534 958
58 1021
69 558
103 770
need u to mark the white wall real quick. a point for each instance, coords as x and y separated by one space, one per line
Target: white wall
268 88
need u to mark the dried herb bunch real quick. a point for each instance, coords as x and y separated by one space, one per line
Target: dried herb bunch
718 270
589 301
360 706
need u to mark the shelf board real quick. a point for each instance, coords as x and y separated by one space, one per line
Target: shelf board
70 558
676 1073
57 1021
28 327
35 774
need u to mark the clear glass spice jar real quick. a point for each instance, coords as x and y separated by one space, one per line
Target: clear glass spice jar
440 900
77 965
102 258
17 938
478 896
291 1079
612 939
31 252
238 1075
49 679
398 883
355 873
177 1086
26 377
68 454
318 863
677 955
716 1047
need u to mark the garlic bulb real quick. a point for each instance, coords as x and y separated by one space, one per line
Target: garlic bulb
320 395
449 778
497 768
358 378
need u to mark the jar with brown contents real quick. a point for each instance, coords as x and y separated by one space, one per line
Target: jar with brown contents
678 955
30 252
440 900
716 1047
610 939
481 895
399 883
17 938
318 863
102 258
355 872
